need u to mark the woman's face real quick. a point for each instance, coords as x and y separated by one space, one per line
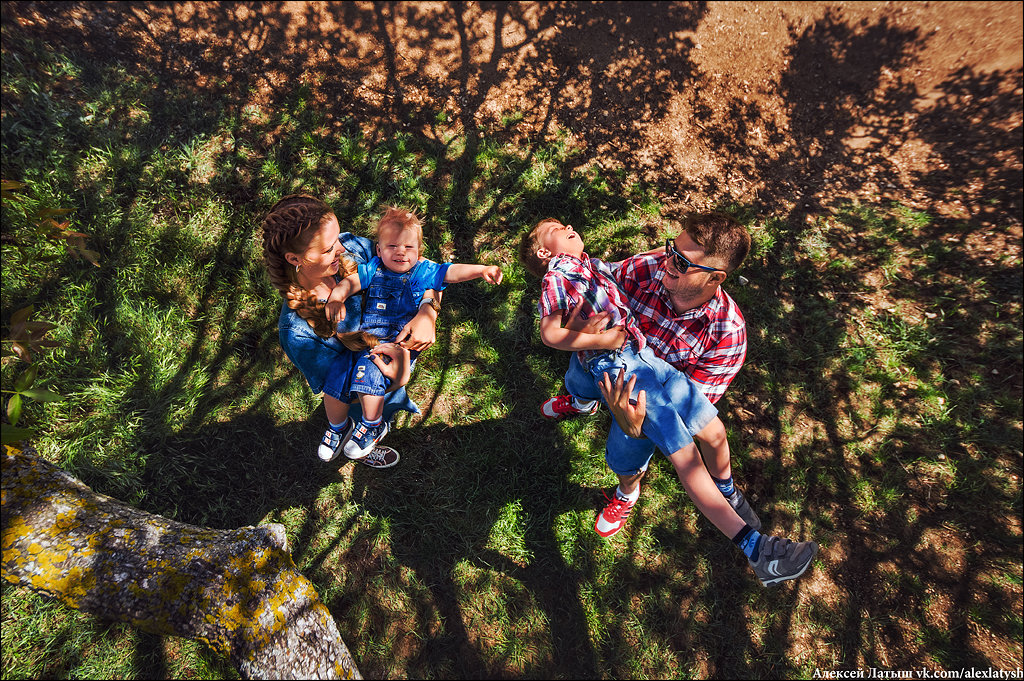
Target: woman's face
322 257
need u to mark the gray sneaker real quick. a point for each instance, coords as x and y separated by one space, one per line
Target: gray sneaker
781 559
742 508
382 456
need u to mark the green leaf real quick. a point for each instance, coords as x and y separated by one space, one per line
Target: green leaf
9 434
14 409
42 395
27 378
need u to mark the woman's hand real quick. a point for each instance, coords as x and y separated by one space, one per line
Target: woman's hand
399 369
420 333
629 414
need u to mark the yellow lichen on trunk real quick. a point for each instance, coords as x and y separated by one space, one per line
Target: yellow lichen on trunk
236 590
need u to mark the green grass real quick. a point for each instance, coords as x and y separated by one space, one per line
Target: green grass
875 347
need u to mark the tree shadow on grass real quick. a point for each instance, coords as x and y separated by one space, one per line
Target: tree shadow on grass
294 108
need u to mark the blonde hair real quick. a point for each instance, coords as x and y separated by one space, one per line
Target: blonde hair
289 227
402 219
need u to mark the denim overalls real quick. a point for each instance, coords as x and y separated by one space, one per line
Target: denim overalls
390 302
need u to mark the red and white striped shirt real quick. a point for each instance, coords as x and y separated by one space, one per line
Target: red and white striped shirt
708 343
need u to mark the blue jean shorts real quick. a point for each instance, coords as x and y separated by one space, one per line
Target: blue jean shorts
367 378
676 408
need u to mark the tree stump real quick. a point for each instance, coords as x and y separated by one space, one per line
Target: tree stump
238 591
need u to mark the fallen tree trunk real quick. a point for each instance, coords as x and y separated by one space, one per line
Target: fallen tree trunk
238 591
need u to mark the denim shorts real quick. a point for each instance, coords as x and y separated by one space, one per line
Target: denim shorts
676 408
367 378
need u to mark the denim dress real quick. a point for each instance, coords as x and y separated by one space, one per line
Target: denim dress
324 362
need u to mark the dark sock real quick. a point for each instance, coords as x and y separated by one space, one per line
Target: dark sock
372 424
748 540
724 486
337 427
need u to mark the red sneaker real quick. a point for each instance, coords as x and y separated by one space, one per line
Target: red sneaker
561 407
614 516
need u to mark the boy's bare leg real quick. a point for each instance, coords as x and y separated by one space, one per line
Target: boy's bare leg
705 494
373 407
337 411
628 483
715 449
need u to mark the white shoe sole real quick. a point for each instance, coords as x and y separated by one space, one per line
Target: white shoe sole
345 437
355 452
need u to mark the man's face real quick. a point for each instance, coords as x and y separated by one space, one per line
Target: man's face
694 281
556 238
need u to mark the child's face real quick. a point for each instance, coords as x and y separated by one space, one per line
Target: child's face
556 238
398 248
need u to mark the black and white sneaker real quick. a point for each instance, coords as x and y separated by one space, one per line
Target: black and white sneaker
743 509
782 559
382 456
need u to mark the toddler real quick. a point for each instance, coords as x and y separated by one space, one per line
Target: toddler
395 282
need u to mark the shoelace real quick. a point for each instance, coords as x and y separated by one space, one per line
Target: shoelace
620 510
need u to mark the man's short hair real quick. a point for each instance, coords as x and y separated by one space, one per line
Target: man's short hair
721 236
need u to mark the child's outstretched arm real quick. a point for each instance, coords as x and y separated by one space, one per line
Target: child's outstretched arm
335 307
458 272
559 337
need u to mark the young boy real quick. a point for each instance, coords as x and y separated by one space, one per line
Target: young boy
577 286
395 281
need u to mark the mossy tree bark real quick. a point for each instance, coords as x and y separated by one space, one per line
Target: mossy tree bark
236 590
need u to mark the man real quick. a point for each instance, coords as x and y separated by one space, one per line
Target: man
693 324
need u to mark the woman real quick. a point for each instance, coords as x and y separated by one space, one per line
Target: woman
303 249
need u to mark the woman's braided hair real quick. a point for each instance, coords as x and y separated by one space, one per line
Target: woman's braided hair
289 227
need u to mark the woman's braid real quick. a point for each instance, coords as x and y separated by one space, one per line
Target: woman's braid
288 228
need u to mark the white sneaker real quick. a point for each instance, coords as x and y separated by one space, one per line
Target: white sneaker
364 438
332 442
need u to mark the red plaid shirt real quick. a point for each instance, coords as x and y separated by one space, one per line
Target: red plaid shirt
708 343
590 283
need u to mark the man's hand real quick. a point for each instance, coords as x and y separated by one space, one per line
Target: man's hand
608 339
595 324
629 414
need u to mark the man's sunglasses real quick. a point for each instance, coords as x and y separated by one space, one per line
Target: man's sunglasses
680 262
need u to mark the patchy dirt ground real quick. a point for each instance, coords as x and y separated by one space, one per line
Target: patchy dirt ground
790 105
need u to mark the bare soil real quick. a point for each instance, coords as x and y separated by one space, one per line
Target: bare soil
791 107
